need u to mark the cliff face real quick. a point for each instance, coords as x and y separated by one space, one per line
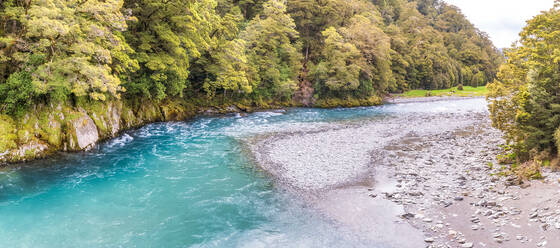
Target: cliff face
48 129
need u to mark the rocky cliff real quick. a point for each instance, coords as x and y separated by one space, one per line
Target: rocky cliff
47 129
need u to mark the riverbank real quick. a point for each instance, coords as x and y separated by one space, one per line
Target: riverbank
45 130
429 175
466 91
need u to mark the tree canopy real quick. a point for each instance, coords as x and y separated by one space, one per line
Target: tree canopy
525 98
263 50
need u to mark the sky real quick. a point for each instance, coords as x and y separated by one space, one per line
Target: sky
501 19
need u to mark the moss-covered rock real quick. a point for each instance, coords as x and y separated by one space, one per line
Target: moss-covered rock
80 125
176 110
347 102
8 136
82 131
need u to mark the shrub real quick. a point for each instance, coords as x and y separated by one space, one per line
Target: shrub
460 87
17 93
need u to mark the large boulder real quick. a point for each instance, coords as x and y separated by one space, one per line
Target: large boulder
83 132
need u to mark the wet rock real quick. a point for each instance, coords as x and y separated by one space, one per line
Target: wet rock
408 216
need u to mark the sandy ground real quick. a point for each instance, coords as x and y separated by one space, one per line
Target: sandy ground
415 180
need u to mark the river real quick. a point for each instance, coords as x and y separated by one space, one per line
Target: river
181 184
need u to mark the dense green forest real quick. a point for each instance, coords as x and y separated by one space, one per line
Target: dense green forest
260 50
525 98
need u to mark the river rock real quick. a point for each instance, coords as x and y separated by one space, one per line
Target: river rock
85 133
467 245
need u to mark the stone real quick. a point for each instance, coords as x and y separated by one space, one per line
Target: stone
542 243
85 131
533 215
407 216
525 185
467 245
452 233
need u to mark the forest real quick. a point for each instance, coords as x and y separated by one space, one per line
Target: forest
525 97
295 51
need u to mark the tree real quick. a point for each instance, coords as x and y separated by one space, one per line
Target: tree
525 100
167 36
69 46
364 32
232 70
339 69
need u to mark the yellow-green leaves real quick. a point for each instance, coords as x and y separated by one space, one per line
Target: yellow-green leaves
168 36
259 49
524 99
339 70
265 59
232 70
73 46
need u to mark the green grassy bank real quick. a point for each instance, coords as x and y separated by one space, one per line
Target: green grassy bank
467 91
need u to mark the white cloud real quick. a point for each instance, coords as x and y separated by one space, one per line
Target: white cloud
501 19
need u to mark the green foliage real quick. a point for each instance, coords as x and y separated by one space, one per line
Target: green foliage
264 60
236 50
467 91
273 51
232 70
338 69
167 36
68 46
17 94
524 98
7 134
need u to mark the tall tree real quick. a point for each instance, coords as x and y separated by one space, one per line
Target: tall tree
68 47
526 96
273 47
167 36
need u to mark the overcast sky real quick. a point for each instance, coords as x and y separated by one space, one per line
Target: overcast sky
501 19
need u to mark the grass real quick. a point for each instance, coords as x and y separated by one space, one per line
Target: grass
466 92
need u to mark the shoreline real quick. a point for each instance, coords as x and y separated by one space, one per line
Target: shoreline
54 130
398 99
51 130
435 176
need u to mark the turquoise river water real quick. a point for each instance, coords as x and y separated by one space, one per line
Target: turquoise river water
178 184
